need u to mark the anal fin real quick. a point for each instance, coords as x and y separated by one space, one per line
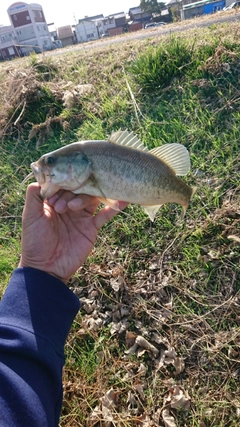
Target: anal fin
151 210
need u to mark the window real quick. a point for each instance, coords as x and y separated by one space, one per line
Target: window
44 27
40 14
15 17
90 35
11 51
28 18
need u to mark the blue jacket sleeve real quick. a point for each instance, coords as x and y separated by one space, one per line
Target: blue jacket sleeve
36 313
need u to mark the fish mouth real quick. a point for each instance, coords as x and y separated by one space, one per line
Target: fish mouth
38 173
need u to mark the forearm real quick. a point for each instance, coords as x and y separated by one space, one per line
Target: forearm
36 313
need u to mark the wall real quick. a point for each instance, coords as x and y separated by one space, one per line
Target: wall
135 26
213 7
86 31
115 31
9 52
25 33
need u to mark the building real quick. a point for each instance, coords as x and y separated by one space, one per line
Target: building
136 14
65 34
202 7
120 21
29 27
138 18
86 30
9 48
105 24
108 26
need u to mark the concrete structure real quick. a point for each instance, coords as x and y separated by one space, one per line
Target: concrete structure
30 27
8 43
86 30
202 7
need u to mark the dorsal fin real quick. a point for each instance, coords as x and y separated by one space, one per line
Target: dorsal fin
127 139
174 155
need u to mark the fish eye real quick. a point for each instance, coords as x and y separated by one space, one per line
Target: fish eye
50 160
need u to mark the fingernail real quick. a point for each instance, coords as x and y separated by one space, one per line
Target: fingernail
75 204
52 200
60 206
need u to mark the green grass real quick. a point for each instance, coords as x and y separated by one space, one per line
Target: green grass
179 280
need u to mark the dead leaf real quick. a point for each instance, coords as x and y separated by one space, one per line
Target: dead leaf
214 254
142 342
168 419
110 399
179 365
169 357
159 339
144 421
177 398
119 327
130 338
133 403
142 370
139 388
88 305
234 237
83 89
117 284
132 350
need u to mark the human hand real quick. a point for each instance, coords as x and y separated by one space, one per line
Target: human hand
59 234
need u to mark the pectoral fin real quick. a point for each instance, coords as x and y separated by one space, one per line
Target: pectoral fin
151 211
111 203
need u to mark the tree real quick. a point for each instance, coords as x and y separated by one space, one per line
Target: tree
151 6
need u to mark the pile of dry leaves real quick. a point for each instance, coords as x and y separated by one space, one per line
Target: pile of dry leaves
33 100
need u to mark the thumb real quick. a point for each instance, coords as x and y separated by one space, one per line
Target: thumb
34 203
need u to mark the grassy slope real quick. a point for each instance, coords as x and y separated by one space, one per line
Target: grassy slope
176 284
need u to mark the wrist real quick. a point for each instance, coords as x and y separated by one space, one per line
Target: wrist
36 266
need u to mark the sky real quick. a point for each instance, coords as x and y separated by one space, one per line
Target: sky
70 11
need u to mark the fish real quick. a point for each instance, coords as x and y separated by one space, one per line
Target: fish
119 168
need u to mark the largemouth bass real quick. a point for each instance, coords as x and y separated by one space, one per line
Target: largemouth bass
120 168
